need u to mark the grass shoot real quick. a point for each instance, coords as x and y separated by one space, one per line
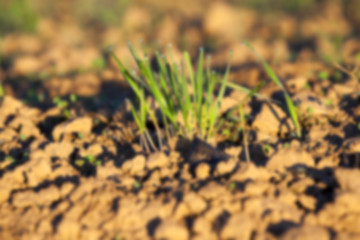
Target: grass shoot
290 104
188 99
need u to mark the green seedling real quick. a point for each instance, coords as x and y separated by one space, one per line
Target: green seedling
267 148
60 103
184 95
23 137
10 159
328 103
137 185
290 105
97 121
324 75
80 135
226 132
358 126
73 98
232 186
88 159
34 96
64 104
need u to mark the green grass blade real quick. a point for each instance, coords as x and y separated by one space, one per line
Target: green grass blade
143 109
186 101
215 111
184 97
293 114
247 90
127 75
2 92
189 69
210 84
143 48
210 89
173 83
209 103
136 117
200 77
199 88
224 81
208 69
268 69
190 72
164 84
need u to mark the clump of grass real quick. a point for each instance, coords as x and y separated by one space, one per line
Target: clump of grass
185 96
188 98
290 104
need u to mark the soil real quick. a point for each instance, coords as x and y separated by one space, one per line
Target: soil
293 188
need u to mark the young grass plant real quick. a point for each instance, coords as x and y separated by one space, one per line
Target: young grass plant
184 95
290 105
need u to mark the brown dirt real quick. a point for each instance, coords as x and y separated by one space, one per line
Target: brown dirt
304 188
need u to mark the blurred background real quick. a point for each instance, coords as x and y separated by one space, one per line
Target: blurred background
62 45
